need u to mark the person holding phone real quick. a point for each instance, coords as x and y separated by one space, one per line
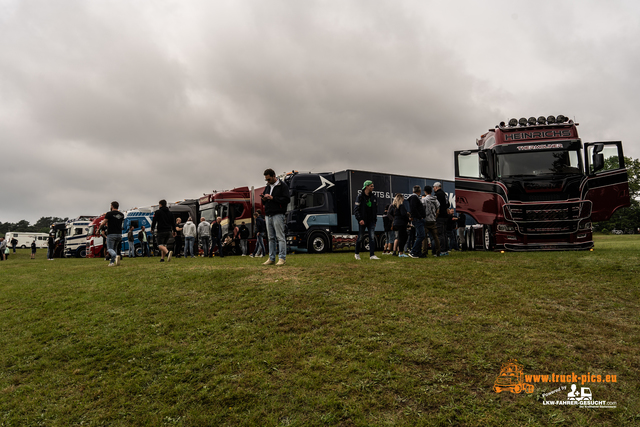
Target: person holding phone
275 199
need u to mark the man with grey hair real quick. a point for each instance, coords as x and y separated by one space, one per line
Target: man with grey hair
432 207
442 218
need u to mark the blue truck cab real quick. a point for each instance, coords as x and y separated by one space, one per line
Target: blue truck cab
137 217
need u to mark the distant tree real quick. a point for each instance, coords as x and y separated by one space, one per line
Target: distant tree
633 172
42 225
22 225
625 219
5 227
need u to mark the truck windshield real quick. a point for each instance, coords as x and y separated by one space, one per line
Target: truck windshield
221 209
537 163
207 212
305 200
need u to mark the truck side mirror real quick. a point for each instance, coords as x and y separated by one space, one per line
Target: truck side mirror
484 164
598 158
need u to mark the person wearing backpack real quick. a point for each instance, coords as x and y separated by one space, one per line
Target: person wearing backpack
431 207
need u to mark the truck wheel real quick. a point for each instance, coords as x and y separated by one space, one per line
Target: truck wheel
366 243
81 252
487 238
138 250
318 243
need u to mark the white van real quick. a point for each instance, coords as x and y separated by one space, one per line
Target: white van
26 238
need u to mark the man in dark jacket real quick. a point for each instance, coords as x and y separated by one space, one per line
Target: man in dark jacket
216 236
261 230
443 217
366 213
417 219
275 199
113 220
166 226
244 238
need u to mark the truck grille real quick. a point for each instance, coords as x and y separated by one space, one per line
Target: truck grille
548 218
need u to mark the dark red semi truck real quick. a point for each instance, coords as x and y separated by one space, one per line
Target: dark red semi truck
532 184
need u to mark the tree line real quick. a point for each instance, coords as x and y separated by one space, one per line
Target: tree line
41 226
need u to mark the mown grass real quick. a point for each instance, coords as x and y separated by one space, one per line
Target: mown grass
324 340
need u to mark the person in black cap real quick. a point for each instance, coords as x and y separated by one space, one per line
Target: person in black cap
366 212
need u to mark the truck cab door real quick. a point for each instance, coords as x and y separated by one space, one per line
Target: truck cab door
471 189
607 183
467 164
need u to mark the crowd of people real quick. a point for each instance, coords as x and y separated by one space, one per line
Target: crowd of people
170 232
428 222
406 229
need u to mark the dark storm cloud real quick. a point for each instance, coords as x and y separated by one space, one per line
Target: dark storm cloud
137 101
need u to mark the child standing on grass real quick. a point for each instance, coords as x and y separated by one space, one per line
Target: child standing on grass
33 250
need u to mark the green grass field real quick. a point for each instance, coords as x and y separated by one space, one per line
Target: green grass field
324 340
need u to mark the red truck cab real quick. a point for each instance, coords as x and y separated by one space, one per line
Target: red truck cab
94 241
234 207
532 184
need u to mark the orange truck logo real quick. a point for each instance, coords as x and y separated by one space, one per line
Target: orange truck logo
511 378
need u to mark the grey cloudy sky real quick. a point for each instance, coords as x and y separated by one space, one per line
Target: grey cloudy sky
139 100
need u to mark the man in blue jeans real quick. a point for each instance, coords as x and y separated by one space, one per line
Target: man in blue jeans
275 199
113 219
144 242
366 213
417 219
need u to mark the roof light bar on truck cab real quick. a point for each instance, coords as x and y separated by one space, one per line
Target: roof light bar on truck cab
532 121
